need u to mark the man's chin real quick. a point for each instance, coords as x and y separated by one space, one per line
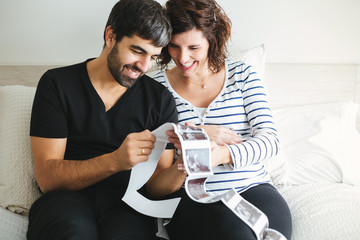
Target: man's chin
127 81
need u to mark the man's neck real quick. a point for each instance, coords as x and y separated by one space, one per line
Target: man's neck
99 73
108 89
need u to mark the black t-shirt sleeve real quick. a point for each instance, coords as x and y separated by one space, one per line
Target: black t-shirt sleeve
170 113
48 115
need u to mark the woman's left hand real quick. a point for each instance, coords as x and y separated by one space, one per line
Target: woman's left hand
219 134
173 138
219 155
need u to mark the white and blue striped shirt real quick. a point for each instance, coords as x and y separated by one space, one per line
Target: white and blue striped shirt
241 106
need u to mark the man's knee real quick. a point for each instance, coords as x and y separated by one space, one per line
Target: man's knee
60 214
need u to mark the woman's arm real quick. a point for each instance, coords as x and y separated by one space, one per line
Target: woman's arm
262 142
167 178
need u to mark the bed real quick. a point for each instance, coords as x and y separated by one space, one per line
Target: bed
315 107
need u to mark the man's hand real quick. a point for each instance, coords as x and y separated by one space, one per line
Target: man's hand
135 149
220 135
53 172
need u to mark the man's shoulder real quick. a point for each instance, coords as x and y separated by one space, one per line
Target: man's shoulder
65 70
152 82
63 75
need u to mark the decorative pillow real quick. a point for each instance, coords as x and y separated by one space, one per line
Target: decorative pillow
314 138
18 188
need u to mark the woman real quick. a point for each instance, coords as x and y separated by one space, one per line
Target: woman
227 99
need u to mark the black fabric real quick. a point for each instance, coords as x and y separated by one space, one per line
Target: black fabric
66 105
94 213
194 221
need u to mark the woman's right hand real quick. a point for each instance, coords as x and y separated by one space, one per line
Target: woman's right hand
219 134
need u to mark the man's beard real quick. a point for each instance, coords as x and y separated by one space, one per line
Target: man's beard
117 69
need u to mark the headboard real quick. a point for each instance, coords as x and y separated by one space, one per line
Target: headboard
287 84
300 84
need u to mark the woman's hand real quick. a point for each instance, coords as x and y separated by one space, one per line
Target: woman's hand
220 155
173 138
180 165
219 134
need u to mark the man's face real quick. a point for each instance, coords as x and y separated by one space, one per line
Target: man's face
130 58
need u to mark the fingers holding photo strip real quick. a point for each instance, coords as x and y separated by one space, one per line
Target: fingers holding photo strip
195 148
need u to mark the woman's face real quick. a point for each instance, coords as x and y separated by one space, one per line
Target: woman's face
189 50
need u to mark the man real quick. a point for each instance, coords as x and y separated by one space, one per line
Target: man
91 124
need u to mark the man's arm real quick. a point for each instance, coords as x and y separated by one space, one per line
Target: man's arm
53 172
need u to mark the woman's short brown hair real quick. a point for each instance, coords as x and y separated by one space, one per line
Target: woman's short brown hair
204 15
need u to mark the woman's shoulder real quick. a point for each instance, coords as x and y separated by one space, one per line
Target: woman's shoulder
235 65
237 69
159 76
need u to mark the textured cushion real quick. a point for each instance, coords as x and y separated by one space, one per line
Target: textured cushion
18 189
324 211
12 226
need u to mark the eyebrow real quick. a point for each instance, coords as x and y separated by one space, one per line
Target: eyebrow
194 45
142 50
138 48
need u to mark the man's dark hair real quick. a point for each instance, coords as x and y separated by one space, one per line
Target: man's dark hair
145 18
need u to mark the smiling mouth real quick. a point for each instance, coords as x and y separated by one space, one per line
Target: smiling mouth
133 73
186 66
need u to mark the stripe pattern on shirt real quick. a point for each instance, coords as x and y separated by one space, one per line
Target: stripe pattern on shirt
243 107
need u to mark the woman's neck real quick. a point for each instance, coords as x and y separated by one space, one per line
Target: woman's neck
199 79
192 88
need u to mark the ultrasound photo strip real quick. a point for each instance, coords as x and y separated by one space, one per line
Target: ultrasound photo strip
196 149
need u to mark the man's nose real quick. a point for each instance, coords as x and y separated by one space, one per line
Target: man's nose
145 64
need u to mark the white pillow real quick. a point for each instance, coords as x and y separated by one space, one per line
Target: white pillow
277 169
18 188
312 138
254 56
341 140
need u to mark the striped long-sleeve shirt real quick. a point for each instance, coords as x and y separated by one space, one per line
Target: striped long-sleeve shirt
241 106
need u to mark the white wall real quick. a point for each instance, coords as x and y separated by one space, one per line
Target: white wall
296 31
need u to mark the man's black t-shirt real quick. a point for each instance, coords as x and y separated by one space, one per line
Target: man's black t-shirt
66 105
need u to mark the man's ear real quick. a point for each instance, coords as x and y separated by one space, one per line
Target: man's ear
110 37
